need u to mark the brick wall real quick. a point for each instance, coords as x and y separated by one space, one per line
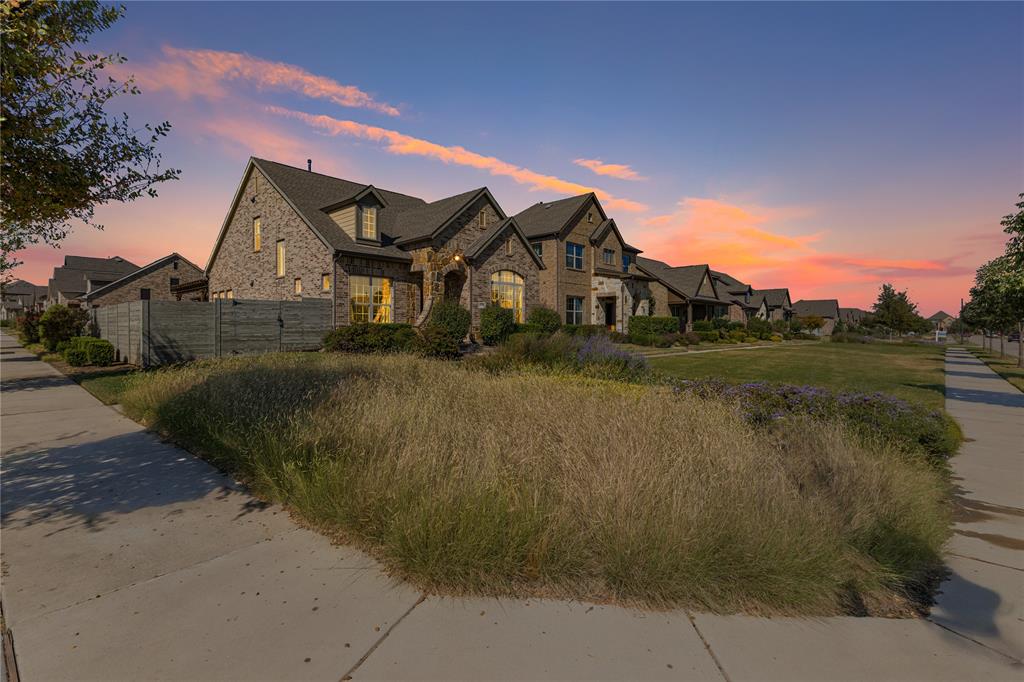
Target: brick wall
494 258
252 274
406 295
158 282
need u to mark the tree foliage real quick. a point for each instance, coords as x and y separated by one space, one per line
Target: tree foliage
895 311
63 153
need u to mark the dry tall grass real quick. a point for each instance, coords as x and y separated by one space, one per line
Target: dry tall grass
465 482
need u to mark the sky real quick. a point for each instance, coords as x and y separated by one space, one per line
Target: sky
823 147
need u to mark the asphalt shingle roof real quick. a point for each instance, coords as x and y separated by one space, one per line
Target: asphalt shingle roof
71 279
684 279
941 315
135 274
548 217
826 307
776 298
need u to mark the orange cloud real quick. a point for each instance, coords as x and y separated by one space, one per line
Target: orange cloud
747 242
614 170
189 73
400 143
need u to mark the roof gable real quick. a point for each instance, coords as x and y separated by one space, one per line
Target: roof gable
554 217
144 270
495 231
430 220
825 307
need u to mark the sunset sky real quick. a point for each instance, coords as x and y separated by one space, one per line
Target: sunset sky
821 146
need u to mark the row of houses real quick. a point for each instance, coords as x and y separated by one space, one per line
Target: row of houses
383 256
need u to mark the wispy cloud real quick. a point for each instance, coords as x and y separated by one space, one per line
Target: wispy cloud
399 143
613 170
190 73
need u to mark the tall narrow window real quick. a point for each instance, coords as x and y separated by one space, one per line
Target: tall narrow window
370 299
325 282
573 310
574 256
608 256
625 262
280 258
230 293
507 291
482 218
538 248
144 294
369 222
257 243
508 247
298 285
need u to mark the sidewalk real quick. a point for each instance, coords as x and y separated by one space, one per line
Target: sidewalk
127 558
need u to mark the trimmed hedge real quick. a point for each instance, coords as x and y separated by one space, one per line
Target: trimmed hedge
707 336
496 324
86 350
544 320
451 317
644 326
585 330
100 352
371 338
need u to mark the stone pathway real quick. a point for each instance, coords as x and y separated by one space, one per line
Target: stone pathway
127 558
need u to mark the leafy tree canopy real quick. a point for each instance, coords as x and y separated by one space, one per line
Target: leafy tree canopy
63 154
894 310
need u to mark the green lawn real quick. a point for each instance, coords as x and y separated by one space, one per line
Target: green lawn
905 371
107 385
1004 366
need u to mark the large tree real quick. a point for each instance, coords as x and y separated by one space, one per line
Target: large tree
1013 225
895 311
61 152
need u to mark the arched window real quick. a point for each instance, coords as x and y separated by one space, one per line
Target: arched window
507 291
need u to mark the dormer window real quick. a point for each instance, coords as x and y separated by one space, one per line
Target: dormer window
369 223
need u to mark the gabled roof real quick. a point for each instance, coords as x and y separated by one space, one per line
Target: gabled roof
493 232
601 231
825 307
731 290
114 264
684 280
775 298
20 287
144 270
73 277
852 314
429 220
552 217
941 315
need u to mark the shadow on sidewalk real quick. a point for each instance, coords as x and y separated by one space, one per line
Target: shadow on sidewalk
996 398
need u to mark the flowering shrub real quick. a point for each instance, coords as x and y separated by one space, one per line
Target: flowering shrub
590 355
928 433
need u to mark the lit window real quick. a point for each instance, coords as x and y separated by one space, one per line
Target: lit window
325 282
573 310
280 258
538 248
608 256
369 223
482 219
298 285
256 236
370 299
230 293
507 291
625 262
574 256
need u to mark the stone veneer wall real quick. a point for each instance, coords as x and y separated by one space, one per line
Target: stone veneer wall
477 295
158 282
253 274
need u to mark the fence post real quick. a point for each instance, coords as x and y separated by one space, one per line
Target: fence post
280 326
144 339
216 328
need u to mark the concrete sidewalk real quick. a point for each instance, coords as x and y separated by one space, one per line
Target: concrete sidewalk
127 558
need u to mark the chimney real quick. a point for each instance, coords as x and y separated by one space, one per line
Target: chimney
309 165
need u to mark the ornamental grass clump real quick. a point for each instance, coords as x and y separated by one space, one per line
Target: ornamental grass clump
594 356
527 484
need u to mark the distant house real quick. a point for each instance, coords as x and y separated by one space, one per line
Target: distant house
852 316
150 282
742 302
82 274
941 320
20 296
778 304
686 291
827 309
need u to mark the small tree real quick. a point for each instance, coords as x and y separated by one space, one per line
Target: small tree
496 324
60 323
812 322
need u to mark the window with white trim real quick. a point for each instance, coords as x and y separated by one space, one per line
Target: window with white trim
370 299
507 292
573 310
279 264
257 237
574 256
298 285
608 256
325 282
369 227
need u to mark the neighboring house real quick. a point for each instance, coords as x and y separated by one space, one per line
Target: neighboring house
827 309
742 303
941 320
778 305
150 282
82 274
686 291
20 296
852 316
590 273
378 255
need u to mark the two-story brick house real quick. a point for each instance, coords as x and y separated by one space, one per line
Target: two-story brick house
378 255
590 274
150 282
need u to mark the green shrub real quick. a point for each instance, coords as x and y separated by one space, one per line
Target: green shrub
642 339
435 341
100 352
60 323
371 338
750 339
496 324
27 326
544 320
850 337
762 329
644 325
585 330
451 317
692 338
775 338
707 336
76 356
704 326
720 323
737 335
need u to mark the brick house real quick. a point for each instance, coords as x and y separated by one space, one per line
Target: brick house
827 309
378 255
150 282
686 291
82 274
778 305
941 320
743 304
18 297
590 273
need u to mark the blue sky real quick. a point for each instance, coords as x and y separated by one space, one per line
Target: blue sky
821 146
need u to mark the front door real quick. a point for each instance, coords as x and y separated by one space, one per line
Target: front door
609 313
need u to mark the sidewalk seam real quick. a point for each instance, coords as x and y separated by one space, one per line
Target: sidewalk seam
707 646
380 640
974 641
984 561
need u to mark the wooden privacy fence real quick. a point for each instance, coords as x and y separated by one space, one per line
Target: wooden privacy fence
159 332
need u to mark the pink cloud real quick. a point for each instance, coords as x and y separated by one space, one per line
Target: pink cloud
399 143
190 73
613 170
